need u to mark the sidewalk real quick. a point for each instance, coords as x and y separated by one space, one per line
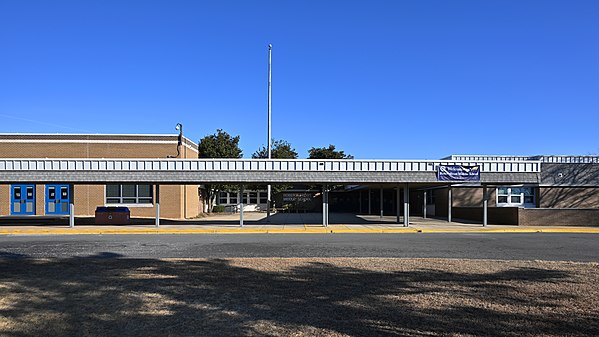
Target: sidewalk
256 223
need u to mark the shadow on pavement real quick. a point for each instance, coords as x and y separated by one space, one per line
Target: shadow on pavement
108 295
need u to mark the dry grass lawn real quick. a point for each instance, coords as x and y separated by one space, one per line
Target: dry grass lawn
297 297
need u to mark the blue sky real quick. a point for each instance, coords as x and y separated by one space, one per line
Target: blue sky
379 79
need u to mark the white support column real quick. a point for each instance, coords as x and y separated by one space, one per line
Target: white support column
406 205
268 202
397 204
325 206
485 205
449 203
327 195
241 207
157 205
424 205
71 205
381 202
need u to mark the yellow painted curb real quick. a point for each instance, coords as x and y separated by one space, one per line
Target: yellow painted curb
305 230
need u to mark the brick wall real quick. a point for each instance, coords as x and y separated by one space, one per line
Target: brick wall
569 197
558 217
177 201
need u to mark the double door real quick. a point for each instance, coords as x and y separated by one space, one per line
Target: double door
22 199
57 199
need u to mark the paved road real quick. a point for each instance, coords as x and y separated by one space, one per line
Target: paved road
508 246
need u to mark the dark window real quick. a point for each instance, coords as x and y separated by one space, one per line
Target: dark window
128 194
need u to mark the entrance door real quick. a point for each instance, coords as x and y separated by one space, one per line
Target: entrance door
57 199
22 199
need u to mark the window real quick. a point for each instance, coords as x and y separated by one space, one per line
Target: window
263 197
222 198
516 196
253 197
128 194
233 198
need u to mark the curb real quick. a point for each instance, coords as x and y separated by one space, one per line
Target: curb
75 231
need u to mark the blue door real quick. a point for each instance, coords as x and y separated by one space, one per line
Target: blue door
57 199
22 199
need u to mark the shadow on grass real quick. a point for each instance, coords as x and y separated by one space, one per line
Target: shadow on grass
108 295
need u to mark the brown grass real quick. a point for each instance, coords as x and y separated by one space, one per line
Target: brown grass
297 297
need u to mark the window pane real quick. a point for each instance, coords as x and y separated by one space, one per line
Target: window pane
129 201
17 193
129 191
245 198
529 199
113 201
233 197
528 191
64 192
263 197
516 190
113 190
516 199
144 190
502 199
52 192
222 198
145 200
502 191
253 197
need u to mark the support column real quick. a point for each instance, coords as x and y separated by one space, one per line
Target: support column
241 208
381 202
449 203
485 205
325 206
71 205
157 204
268 202
327 195
397 204
406 205
424 205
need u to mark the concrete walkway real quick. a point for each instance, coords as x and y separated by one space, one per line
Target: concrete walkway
255 222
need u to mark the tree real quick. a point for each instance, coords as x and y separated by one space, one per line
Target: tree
281 149
218 145
327 153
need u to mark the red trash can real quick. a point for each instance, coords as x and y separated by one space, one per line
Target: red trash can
112 215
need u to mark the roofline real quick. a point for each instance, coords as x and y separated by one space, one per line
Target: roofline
186 141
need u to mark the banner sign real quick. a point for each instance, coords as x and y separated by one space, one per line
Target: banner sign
458 173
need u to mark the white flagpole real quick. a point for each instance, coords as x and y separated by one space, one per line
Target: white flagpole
268 196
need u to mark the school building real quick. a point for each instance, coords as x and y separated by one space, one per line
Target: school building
565 191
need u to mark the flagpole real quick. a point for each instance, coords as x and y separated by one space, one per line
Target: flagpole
268 193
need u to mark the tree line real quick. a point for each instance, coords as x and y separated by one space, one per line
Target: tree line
222 145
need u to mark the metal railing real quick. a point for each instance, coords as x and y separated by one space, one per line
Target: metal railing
330 165
543 159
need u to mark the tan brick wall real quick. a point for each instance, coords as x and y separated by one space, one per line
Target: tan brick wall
176 200
569 197
558 217
4 199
